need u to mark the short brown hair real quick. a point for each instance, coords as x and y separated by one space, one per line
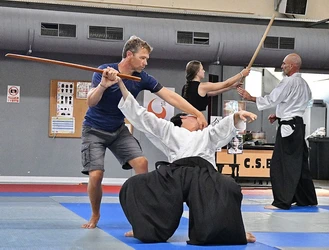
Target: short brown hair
134 44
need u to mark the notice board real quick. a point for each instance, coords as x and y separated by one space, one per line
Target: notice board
68 106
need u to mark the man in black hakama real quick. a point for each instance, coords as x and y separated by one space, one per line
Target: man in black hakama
289 171
290 174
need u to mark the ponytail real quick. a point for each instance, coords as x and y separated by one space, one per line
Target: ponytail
192 69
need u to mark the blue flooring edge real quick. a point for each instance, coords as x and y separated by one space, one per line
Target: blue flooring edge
114 223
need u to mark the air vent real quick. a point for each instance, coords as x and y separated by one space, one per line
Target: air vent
106 33
192 37
273 42
287 43
59 30
292 7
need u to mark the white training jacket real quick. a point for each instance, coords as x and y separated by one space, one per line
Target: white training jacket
291 98
177 142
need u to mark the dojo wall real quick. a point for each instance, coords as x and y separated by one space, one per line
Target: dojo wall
26 149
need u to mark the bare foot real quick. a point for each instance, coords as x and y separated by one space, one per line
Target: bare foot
92 223
250 238
129 234
271 207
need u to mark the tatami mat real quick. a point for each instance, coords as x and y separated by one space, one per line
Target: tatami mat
52 220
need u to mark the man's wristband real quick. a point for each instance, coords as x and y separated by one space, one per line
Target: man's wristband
102 86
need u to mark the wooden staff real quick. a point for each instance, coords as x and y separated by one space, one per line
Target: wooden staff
259 46
73 65
261 42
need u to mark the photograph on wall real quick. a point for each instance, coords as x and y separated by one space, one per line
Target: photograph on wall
82 90
235 146
158 106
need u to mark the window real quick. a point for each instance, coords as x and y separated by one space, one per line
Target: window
187 37
106 33
253 83
59 30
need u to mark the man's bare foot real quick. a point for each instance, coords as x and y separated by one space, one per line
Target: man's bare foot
271 207
92 223
129 234
250 238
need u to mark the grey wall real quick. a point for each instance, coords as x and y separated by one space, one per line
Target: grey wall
26 149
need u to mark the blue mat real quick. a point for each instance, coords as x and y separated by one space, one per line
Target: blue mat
296 240
114 222
293 209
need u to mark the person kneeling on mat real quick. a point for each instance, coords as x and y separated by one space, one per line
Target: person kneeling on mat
153 202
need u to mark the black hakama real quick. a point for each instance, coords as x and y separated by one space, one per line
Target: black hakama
153 203
290 174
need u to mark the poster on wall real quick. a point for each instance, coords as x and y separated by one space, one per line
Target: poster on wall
65 92
13 94
63 125
82 89
158 106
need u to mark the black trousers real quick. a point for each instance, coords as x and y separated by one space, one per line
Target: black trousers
153 203
290 174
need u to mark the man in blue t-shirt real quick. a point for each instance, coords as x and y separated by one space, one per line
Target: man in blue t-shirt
104 126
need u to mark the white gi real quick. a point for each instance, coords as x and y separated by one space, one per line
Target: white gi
291 97
176 142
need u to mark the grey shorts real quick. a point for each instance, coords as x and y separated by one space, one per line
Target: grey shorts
122 144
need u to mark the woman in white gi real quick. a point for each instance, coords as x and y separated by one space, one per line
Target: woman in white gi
153 202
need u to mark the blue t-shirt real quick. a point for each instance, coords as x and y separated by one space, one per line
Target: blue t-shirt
106 115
